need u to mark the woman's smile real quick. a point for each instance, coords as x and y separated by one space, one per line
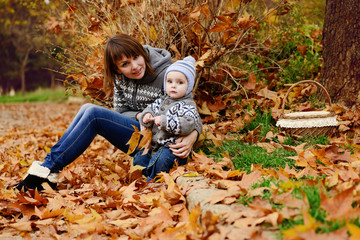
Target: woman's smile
138 72
132 67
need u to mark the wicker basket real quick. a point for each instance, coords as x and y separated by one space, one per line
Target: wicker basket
312 123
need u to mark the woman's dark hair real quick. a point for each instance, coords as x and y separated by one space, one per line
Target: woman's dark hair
117 47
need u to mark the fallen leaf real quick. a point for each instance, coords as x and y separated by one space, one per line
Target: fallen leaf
133 141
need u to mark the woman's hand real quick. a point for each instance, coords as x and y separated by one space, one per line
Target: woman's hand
183 145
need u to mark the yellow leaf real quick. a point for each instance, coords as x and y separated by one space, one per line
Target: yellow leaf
47 150
191 174
134 140
201 61
354 231
287 186
204 109
333 180
94 40
295 92
234 173
231 5
72 218
97 217
152 33
309 224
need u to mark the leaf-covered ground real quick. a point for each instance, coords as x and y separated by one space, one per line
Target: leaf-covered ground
101 196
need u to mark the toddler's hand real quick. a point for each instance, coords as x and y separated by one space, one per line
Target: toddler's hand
148 118
157 120
142 127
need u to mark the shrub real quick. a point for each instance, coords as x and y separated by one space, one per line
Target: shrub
214 32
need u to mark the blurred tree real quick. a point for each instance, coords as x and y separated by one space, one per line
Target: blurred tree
21 25
341 41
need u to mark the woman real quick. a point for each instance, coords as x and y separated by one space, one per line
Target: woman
134 74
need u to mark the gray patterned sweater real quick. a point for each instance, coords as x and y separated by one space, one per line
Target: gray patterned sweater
131 96
179 117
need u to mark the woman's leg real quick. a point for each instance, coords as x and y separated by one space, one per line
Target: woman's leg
162 161
90 121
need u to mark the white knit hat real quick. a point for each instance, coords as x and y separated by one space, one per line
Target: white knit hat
187 67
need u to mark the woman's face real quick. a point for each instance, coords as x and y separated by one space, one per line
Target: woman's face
133 67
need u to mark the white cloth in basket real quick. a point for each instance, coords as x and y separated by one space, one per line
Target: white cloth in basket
305 120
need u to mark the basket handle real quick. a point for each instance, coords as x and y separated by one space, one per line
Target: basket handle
301 82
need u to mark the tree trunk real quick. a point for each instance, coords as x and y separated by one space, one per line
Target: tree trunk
23 71
22 74
341 42
52 75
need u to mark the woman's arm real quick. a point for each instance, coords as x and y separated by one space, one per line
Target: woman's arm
184 144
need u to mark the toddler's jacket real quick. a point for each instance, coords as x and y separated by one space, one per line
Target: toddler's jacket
179 117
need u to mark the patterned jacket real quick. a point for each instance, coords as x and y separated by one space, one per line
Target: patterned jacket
132 96
179 117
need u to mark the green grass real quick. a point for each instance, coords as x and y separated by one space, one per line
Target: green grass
311 141
262 119
39 95
243 155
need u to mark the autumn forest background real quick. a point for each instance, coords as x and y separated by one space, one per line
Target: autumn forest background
249 53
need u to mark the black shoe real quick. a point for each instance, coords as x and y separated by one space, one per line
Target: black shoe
33 182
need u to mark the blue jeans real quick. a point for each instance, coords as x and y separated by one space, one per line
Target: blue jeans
88 122
162 161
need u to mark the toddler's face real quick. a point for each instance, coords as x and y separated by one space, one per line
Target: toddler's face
176 84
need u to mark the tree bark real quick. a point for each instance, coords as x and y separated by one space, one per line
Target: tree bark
23 80
341 42
23 70
52 75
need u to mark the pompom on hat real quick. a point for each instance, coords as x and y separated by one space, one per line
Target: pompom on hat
187 67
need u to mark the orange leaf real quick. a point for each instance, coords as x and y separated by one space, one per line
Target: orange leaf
46 213
220 27
173 194
302 49
134 140
340 205
232 4
146 140
205 10
194 216
22 226
195 14
39 198
251 83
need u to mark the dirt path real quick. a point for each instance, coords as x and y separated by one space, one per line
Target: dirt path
20 116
